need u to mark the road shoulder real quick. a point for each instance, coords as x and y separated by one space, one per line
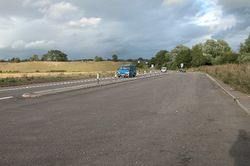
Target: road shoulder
242 99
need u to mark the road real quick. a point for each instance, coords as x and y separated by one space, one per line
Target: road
179 119
17 91
7 93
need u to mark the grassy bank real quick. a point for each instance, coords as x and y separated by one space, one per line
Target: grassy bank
236 75
14 81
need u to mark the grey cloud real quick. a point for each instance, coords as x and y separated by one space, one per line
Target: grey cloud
129 28
234 4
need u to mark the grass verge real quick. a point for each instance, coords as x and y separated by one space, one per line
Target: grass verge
236 75
15 81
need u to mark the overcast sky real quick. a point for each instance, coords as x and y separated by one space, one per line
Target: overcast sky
129 28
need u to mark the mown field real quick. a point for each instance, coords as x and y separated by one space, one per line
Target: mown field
12 74
236 75
46 67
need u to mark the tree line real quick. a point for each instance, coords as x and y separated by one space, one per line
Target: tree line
57 55
211 52
52 55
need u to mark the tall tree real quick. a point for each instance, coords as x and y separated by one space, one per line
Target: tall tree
34 57
98 59
245 48
216 48
114 58
198 59
15 60
55 55
182 55
160 59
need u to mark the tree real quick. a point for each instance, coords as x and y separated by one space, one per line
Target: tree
198 59
245 48
216 48
184 57
98 59
141 63
230 57
210 48
55 55
160 59
114 58
224 46
182 54
15 60
34 57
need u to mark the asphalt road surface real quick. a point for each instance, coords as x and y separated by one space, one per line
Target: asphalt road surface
17 91
7 93
179 119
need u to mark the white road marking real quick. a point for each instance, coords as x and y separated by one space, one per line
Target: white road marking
6 98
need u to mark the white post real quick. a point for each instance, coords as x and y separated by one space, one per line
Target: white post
98 78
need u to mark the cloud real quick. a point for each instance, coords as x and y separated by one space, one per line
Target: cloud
41 44
86 28
173 2
57 10
20 44
214 19
234 4
36 3
84 22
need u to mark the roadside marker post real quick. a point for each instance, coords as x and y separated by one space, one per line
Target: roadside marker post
98 78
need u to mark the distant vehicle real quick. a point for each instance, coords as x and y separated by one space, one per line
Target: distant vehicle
163 69
183 70
128 70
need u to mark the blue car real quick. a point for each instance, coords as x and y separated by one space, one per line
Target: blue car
128 71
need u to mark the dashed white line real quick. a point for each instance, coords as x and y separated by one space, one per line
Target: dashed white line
6 98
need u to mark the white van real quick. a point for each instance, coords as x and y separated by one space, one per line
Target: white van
163 69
